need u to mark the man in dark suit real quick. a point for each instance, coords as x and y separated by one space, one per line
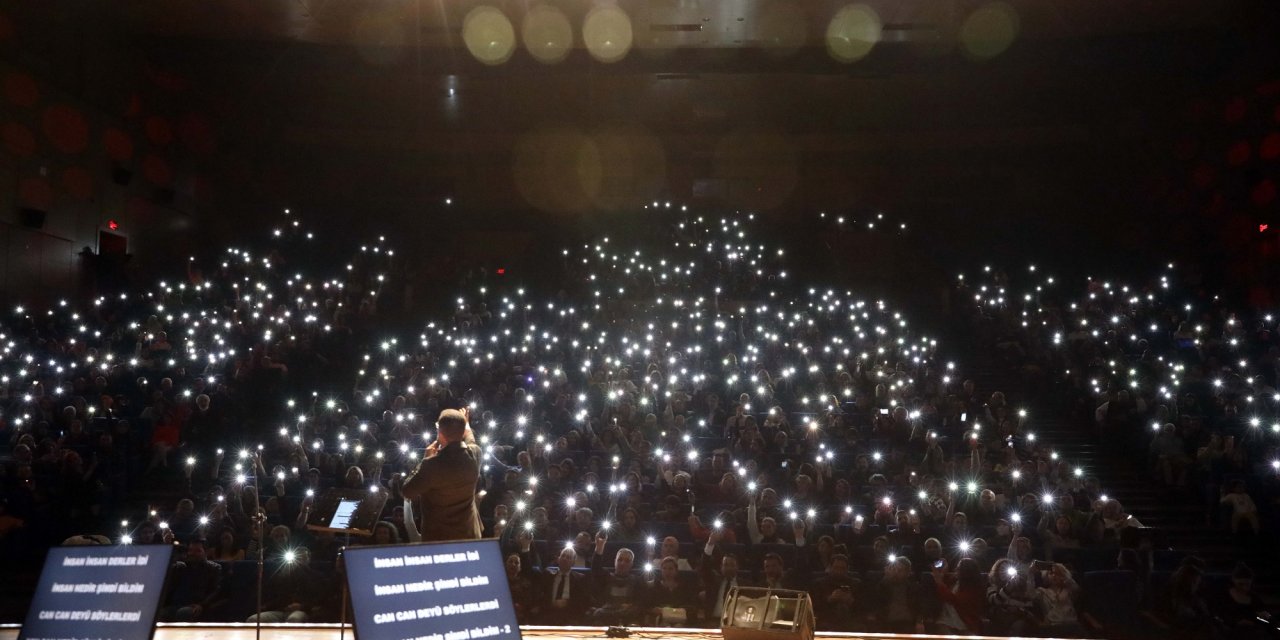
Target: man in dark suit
444 484
564 595
834 595
717 583
775 575
195 584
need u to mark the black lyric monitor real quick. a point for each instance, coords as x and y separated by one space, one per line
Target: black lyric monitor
342 515
431 591
353 511
100 592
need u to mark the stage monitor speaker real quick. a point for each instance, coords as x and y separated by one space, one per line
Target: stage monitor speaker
32 218
760 613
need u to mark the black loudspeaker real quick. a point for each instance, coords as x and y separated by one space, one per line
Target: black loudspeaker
31 218
121 176
759 613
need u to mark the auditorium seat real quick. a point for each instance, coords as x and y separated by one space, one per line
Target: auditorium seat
240 587
864 558
1068 557
679 530
1103 559
1158 583
1111 599
930 603
710 443
1166 559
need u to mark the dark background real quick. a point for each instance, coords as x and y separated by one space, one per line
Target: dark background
1109 136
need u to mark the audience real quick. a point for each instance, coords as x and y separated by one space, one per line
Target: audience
660 403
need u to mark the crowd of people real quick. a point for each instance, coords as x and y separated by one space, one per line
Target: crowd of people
677 420
1166 371
138 390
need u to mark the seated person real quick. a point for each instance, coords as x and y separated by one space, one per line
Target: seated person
194 585
620 592
1011 599
670 549
1239 609
764 530
563 593
716 585
1181 608
834 596
896 601
226 549
672 601
520 582
293 591
1058 604
583 548
1244 511
774 574
964 600
1057 534
931 552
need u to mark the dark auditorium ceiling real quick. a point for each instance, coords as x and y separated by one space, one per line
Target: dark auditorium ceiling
735 102
695 23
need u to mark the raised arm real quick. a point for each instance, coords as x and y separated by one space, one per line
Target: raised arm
411 522
415 486
753 527
597 556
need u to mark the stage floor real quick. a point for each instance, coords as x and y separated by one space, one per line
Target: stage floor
331 632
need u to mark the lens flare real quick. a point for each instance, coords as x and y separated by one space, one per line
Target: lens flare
853 33
989 31
547 34
606 31
489 35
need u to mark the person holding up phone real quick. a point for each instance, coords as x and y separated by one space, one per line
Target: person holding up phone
896 601
1058 603
834 596
1011 597
964 601
764 530
718 578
